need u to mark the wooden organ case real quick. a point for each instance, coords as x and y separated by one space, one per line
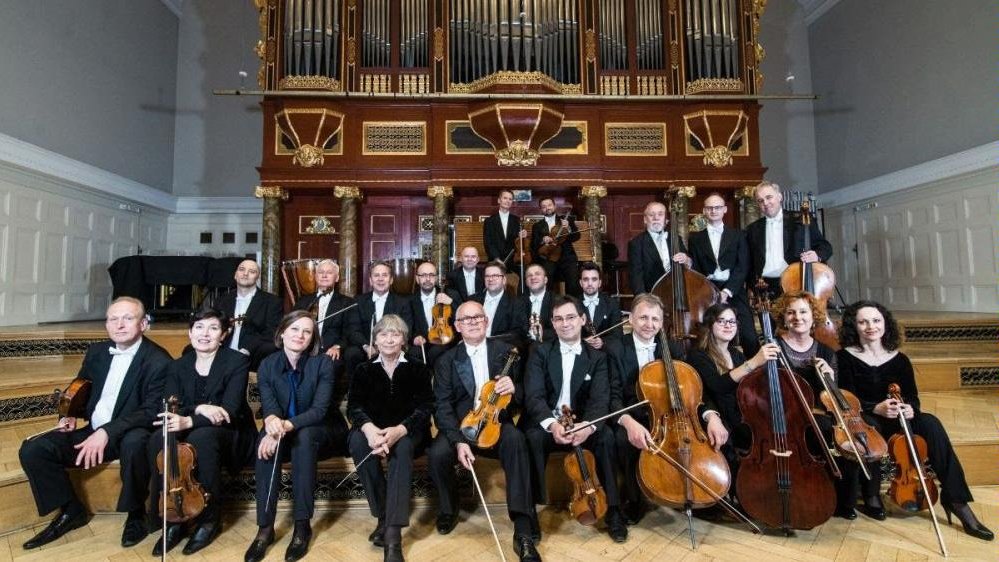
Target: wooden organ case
385 122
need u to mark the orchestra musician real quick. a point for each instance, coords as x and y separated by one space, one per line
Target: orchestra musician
501 306
467 278
389 404
296 387
213 416
602 310
720 253
458 381
870 361
562 371
501 230
333 330
375 304
565 268
127 384
535 307
651 253
254 314
775 242
422 312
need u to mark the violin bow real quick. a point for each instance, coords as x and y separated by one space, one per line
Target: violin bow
353 472
584 425
833 465
328 316
163 492
274 471
612 328
842 423
482 498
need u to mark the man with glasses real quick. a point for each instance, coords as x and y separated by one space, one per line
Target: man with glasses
467 278
651 254
500 307
458 381
602 310
721 254
563 371
536 305
422 311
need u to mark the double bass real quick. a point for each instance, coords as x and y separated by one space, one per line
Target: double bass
589 501
482 425
816 278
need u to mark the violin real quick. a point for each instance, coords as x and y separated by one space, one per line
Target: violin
482 425
70 402
815 278
685 293
674 391
912 482
779 482
183 498
441 333
852 435
552 251
589 501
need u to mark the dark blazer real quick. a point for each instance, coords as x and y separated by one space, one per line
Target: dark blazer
456 281
406 399
141 392
394 304
589 386
313 395
336 329
262 319
645 267
507 319
454 386
719 388
540 230
498 243
524 314
607 313
794 243
419 326
225 386
733 255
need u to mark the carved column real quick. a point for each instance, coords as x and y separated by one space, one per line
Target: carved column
439 248
349 196
681 196
270 242
591 195
748 211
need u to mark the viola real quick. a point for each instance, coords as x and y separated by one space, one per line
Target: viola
441 333
183 498
552 251
815 278
852 435
912 483
482 425
589 501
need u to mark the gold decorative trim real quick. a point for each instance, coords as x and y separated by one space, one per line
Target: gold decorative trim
308 156
635 144
305 151
581 126
438 44
318 225
685 191
697 223
394 138
351 51
346 192
717 156
715 85
747 192
531 180
759 53
591 45
507 77
309 83
518 153
270 192
597 191
435 191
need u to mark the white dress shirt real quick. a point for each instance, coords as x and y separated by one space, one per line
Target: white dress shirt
428 306
324 303
714 236
661 240
120 362
591 304
379 305
569 353
505 221
775 264
536 301
469 281
242 303
644 353
490 304
480 367
550 221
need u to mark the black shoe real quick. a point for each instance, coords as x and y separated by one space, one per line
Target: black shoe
616 528
874 509
377 537
847 513
634 512
174 533
299 546
393 553
58 527
258 548
446 522
524 547
203 536
972 526
134 531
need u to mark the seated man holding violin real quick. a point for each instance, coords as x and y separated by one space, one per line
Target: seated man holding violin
125 374
466 428
432 311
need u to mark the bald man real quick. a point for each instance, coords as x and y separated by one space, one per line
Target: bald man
652 254
255 315
467 278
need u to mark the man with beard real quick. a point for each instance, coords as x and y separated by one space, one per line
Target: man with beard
422 308
255 314
564 269
602 310
651 254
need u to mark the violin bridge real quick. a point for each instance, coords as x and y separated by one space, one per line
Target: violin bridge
777 453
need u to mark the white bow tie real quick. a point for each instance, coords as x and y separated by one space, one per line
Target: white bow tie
595 299
651 348
376 298
492 299
535 299
574 349
714 230
116 351
431 297
773 220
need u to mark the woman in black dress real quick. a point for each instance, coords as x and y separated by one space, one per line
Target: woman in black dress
213 417
869 362
389 404
296 385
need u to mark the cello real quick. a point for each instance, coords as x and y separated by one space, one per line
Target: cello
816 278
779 482
589 501
482 425
685 293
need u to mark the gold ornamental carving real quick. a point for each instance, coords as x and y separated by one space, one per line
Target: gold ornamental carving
435 191
591 45
714 85
717 156
759 53
321 225
351 51
270 192
507 78
346 192
518 153
747 192
593 191
309 83
716 135
308 156
684 191
438 44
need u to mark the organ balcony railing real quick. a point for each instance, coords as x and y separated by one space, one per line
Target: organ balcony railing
563 47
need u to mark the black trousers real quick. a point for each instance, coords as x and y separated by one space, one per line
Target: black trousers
627 461
304 447
388 495
846 487
45 459
565 270
513 456
601 443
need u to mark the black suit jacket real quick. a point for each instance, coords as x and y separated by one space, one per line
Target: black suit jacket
733 255
419 325
456 281
313 394
141 392
225 386
454 386
589 395
336 329
499 244
394 304
524 314
262 319
794 243
507 319
607 313
540 230
645 267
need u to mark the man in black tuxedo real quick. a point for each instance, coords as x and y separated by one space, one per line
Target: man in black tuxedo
602 310
651 254
375 304
535 306
126 389
774 242
563 371
458 381
255 315
721 254
564 269
501 307
421 310
501 231
626 357
325 302
467 278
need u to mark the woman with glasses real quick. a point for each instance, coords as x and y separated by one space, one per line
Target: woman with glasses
389 405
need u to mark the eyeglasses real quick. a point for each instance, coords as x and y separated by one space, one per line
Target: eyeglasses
471 319
425 275
714 208
726 321
494 275
566 319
